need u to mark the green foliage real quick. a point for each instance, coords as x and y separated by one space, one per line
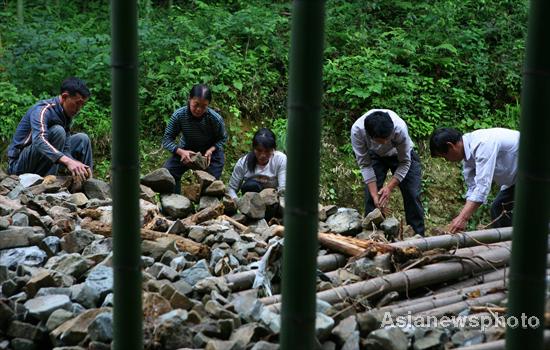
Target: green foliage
436 63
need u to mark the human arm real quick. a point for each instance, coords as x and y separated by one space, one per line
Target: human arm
459 222
237 178
281 174
39 117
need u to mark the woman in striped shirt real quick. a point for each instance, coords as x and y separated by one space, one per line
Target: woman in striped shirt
263 167
202 130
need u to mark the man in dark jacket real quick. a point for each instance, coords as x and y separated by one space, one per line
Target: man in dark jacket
42 139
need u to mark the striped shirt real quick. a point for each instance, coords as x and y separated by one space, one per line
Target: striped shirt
33 129
197 134
271 175
400 144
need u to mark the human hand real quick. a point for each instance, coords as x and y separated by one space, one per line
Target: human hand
457 225
78 170
208 155
384 198
185 155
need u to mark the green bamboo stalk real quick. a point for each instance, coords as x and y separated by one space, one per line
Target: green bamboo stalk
302 191
20 11
127 316
532 197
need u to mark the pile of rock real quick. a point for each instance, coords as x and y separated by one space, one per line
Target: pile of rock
56 271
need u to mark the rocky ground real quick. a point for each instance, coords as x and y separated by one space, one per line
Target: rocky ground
212 268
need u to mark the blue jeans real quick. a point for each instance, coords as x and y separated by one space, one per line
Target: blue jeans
410 188
31 160
176 168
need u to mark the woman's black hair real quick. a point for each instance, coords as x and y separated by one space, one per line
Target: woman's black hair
201 91
265 138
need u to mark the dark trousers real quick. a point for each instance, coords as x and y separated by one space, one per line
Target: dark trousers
410 188
251 185
31 160
504 201
176 168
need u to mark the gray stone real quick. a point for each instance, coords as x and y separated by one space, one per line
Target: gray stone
76 241
16 237
69 264
368 322
20 219
375 218
215 344
147 194
40 279
193 192
22 344
345 329
198 162
177 228
42 307
30 256
18 329
216 189
51 245
323 326
79 199
248 306
101 329
345 221
249 333
57 318
75 330
208 201
470 337
204 179
157 248
175 206
352 342
196 273
101 246
159 180
263 345
101 279
252 205
390 226
387 339
197 233
28 180
6 314
53 291
173 334
4 222
95 188
175 316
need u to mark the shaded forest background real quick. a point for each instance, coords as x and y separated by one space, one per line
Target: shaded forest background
434 62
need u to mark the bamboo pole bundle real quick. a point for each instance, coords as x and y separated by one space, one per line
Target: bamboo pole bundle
460 240
435 301
457 307
413 278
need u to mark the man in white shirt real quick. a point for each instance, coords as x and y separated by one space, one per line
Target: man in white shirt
488 155
381 142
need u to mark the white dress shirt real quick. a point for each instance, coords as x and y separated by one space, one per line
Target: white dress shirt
489 155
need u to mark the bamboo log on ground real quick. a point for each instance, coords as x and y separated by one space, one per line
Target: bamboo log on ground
457 307
424 304
411 279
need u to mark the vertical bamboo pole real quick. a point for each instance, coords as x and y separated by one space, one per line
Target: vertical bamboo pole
20 11
127 317
532 198
302 194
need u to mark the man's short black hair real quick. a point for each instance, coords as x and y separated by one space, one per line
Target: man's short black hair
73 85
439 139
379 125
